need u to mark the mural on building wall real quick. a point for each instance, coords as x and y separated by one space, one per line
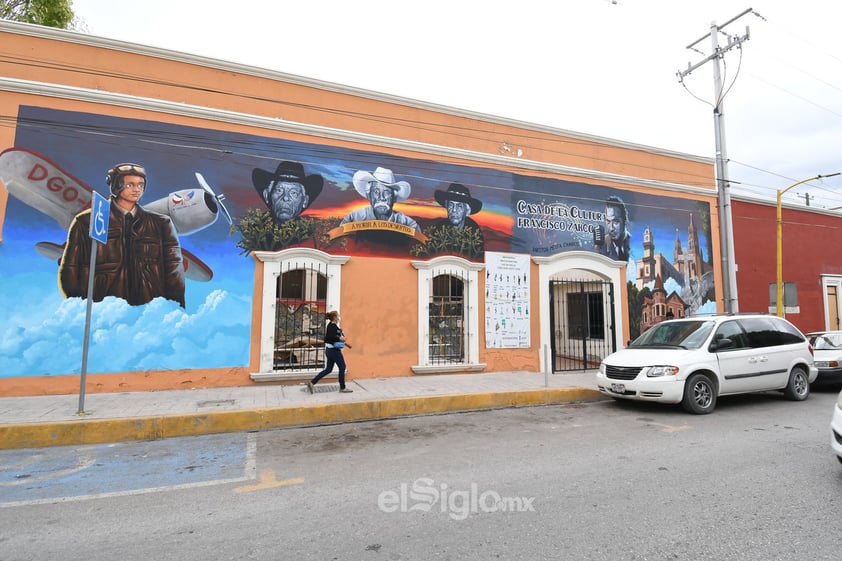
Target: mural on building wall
214 196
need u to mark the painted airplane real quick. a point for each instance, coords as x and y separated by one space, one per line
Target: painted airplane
39 183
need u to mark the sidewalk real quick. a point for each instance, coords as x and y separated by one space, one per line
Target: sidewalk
37 421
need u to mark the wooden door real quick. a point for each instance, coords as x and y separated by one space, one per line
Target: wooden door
832 308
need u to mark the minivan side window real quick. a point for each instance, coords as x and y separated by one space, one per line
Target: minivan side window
731 330
770 332
789 334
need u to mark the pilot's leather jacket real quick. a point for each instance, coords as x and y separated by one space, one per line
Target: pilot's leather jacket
142 259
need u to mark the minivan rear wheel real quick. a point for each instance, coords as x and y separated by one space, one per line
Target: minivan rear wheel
798 386
699 395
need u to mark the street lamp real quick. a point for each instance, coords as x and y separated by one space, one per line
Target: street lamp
779 309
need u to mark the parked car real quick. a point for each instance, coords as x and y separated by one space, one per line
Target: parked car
693 361
827 346
836 429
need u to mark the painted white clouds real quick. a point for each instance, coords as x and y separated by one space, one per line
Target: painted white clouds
158 336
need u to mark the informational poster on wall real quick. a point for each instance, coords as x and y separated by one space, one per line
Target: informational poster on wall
506 301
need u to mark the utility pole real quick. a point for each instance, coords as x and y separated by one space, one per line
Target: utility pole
806 198
726 230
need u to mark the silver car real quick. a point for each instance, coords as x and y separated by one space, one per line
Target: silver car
827 346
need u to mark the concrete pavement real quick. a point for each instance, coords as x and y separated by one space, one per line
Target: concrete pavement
37 421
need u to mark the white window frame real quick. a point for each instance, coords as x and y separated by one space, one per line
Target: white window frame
273 264
469 271
831 280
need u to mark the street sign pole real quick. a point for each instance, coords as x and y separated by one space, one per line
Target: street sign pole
87 335
100 210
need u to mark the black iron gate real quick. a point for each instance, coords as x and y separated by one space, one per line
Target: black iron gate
582 323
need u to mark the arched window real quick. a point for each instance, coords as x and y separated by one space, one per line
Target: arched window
448 315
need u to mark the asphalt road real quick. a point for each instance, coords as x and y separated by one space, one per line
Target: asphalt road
756 480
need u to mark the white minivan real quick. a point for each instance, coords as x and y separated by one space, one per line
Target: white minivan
694 360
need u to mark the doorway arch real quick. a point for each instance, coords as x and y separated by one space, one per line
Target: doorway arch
580 266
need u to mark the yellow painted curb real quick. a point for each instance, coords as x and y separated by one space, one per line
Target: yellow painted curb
98 431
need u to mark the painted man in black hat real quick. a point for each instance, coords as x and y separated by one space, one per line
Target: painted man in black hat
288 191
460 205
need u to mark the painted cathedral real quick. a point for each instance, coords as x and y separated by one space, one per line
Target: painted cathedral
687 269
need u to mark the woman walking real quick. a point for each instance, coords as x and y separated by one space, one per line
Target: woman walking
334 343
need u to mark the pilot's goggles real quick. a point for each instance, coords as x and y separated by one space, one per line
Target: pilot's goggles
130 168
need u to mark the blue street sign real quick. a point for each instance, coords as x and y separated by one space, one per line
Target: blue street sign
100 210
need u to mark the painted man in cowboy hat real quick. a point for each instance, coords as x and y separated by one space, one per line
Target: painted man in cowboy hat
460 204
288 191
382 191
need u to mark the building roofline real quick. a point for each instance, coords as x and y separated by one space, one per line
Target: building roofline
219 64
785 204
218 115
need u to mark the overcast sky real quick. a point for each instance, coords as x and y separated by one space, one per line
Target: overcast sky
593 66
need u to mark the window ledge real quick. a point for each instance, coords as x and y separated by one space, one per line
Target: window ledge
288 376
448 368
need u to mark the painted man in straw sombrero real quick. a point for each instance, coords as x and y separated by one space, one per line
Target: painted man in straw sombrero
382 191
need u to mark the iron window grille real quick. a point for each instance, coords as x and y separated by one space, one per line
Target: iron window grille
447 320
300 302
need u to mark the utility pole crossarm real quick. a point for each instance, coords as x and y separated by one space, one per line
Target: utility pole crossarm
723 26
733 42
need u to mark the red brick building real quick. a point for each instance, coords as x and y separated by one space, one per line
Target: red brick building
811 261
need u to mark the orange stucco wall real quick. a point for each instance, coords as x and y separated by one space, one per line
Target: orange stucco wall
380 316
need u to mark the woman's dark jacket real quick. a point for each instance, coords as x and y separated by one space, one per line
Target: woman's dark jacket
332 333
